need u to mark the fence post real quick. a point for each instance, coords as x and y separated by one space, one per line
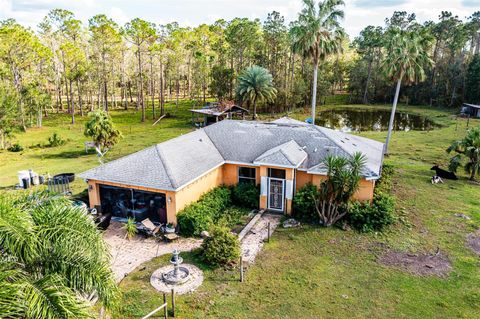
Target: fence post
165 309
173 302
241 268
268 232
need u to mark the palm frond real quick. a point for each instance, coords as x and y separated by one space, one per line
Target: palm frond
17 231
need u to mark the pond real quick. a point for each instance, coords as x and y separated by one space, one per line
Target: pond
357 120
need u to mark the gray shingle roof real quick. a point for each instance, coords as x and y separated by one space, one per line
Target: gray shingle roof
172 164
286 154
168 165
245 141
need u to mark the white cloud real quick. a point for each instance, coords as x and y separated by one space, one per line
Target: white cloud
358 13
118 15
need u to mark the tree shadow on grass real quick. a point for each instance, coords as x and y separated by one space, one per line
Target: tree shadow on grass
66 154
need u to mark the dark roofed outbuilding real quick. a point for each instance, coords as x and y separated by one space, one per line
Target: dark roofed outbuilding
217 111
470 110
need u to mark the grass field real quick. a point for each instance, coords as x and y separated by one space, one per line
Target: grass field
311 272
71 157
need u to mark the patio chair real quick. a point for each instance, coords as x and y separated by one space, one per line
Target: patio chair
149 229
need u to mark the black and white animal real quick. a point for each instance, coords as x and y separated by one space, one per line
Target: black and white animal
443 173
437 179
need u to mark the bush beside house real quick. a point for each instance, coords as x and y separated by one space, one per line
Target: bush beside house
304 205
200 215
375 216
217 207
369 217
221 247
362 216
246 195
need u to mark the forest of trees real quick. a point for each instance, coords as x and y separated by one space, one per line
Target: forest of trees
75 67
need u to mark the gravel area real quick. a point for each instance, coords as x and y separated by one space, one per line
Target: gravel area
252 243
129 254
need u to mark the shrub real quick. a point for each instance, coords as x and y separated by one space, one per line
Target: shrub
246 195
217 200
385 183
55 140
221 248
199 216
194 219
232 216
15 148
366 217
304 204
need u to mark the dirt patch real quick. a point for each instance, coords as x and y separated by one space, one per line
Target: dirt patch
418 264
473 242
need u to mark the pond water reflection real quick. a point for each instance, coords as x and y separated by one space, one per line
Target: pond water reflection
352 120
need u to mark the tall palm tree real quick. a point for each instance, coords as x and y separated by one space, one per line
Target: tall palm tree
317 34
469 147
52 258
405 61
256 83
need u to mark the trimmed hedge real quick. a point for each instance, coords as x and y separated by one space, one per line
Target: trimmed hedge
201 215
246 195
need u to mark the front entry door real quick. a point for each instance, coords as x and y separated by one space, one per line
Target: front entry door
276 191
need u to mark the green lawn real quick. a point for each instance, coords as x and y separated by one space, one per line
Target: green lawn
71 157
312 272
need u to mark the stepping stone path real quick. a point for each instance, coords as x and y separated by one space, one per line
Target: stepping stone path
252 242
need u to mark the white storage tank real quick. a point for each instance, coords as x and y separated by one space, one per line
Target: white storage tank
22 175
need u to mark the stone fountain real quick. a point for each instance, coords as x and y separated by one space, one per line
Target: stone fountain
178 275
182 278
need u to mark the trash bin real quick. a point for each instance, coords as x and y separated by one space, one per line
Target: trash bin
26 182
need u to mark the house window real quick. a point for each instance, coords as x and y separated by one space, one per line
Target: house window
276 173
246 175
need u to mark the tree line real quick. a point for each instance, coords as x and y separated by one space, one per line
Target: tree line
74 67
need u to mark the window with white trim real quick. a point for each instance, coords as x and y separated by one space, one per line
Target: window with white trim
247 175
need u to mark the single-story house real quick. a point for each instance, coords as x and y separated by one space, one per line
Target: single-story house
281 156
470 110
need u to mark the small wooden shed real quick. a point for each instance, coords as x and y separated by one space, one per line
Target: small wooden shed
217 111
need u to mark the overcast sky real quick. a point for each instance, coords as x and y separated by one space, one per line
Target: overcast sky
358 13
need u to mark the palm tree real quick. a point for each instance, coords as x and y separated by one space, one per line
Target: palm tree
256 83
336 191
405 60
52 259
317 34
469 147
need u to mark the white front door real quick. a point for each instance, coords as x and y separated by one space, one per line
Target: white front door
276 194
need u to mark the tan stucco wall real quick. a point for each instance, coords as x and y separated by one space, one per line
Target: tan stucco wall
365 191
230 174
193 191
